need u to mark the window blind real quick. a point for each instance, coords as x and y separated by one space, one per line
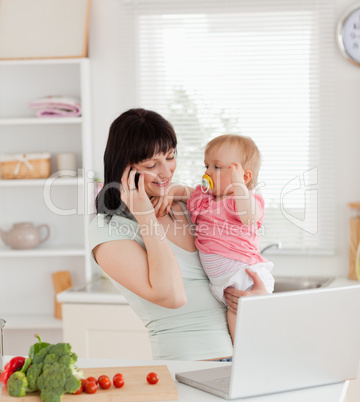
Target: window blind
260 68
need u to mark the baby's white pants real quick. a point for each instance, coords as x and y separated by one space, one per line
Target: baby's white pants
226 272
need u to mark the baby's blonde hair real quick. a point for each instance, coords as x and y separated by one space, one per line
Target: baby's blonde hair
249 154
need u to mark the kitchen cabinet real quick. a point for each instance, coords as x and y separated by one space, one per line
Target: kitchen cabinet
105 331
353 393
64 203
99 323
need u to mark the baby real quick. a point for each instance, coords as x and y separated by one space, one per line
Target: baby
229 215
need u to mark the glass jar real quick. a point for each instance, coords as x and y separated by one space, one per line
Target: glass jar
354 239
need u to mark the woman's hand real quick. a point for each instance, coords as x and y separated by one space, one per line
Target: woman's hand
232 295
134 198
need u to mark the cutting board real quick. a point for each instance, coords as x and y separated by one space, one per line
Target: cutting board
136 387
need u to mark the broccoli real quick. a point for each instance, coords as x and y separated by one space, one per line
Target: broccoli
36 367
32 375
17 384
54 373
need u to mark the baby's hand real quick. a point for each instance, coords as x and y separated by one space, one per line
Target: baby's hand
161 205
237 173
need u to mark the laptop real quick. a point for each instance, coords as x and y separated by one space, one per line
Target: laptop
287 341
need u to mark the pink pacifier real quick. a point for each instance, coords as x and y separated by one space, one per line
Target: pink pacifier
206 183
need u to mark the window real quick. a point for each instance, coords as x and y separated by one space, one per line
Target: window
260 68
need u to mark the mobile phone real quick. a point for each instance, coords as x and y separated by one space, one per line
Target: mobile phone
136 179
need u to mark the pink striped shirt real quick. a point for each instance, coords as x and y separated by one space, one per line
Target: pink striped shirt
219 228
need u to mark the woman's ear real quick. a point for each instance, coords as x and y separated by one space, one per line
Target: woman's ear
247 176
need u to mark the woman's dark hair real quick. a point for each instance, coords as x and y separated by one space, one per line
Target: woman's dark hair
134 136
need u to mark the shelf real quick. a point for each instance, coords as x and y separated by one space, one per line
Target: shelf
67 249
52 251
44 321
26 62
28 121
60 181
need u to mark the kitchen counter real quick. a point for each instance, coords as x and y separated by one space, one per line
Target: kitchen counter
328 393
101 297
101 291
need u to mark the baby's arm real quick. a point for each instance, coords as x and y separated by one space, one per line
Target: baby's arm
180 192
247 207
175 192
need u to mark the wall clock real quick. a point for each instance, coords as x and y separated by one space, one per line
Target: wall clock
348 34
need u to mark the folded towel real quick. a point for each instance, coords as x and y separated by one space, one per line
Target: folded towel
56 106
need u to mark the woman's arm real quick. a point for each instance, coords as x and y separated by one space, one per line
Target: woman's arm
152 278
232 295
153 274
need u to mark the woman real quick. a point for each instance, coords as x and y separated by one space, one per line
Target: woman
153 260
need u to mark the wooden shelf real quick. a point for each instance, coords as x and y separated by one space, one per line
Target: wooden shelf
35 121
40 321
50 251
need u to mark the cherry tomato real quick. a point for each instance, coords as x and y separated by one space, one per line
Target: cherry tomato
104 382
118 380
79 391
152 378
83 382
90 387
93 379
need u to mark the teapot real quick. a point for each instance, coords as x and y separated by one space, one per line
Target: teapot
24 235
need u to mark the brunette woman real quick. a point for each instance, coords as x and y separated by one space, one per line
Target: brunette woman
153 260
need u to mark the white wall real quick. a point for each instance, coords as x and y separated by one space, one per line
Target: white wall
108 84
108 81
